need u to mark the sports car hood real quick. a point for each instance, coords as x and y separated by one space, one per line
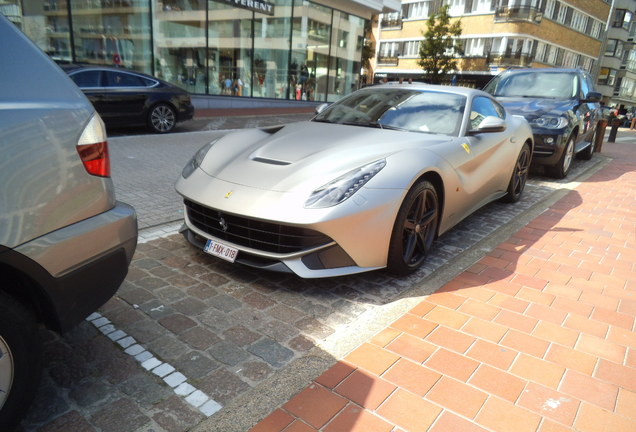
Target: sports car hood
303 155
532 108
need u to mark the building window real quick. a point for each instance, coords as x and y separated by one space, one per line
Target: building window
607 76
474 47
411 48
392 20
579 21
595 32
540 54
481 6
563 13
456 7
549 9
614 48
417 10
622 18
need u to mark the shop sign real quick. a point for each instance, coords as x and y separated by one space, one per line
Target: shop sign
259 6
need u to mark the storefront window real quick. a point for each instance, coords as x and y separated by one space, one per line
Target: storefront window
230 49
179 42
271 53
310 51
45 23
282 49
112 32
346 51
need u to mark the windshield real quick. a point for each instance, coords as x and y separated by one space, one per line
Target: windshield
399 108
534 84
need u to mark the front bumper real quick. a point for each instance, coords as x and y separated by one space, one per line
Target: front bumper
548 147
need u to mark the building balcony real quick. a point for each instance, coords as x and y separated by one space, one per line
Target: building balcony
391 23
509 59
518 13
388 61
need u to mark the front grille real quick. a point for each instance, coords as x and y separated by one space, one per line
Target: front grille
253 233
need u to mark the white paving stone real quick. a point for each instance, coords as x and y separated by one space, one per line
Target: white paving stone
184 389
151 363
163 370
142 357
116 335
126 342
174 379
134 350
210 407
197 398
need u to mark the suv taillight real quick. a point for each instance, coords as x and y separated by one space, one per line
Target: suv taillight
93 148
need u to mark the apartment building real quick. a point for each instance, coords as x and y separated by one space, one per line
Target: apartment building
496 34
279 49
617 74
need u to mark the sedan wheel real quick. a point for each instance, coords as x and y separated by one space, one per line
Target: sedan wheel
20 361
414 230
162 118
563 167
519 176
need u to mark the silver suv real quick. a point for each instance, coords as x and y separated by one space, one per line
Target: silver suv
65 242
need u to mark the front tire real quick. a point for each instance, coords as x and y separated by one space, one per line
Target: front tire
162 118
519 176
414 230
561 169
20 361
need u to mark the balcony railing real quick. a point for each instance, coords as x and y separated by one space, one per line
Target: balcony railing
391 23
520 13
508 59
388 61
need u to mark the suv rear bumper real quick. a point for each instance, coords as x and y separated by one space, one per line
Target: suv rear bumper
79 267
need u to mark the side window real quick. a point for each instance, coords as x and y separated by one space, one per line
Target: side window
482 108
119 79
87 79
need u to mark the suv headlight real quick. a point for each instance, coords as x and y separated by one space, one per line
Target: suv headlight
550 122
343 187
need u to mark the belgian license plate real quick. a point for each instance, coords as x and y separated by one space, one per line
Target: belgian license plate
220 250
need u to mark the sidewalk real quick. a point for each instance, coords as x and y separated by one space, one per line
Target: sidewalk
539 335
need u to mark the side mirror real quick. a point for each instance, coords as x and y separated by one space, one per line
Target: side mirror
320 108
489 124
593 97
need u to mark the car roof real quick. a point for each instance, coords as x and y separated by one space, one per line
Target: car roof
465 91
68 68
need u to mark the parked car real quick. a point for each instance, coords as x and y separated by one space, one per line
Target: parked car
368 183
65 242
562 107
126 98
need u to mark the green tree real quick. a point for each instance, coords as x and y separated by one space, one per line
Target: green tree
440 45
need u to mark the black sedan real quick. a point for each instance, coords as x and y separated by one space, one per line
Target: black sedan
126 98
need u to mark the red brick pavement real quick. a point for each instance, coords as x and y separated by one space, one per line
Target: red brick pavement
539 335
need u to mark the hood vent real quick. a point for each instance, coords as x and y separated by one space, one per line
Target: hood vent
270 161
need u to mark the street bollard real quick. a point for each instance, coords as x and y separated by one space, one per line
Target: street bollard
600 135
615 124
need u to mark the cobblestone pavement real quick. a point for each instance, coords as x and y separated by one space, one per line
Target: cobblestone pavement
188 339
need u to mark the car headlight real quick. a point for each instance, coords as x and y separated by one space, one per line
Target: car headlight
343 187
550 122
196 160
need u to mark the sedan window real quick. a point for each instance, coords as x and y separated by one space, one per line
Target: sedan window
87 79
121 79
482 108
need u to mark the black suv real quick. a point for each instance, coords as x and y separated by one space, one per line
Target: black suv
562 107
